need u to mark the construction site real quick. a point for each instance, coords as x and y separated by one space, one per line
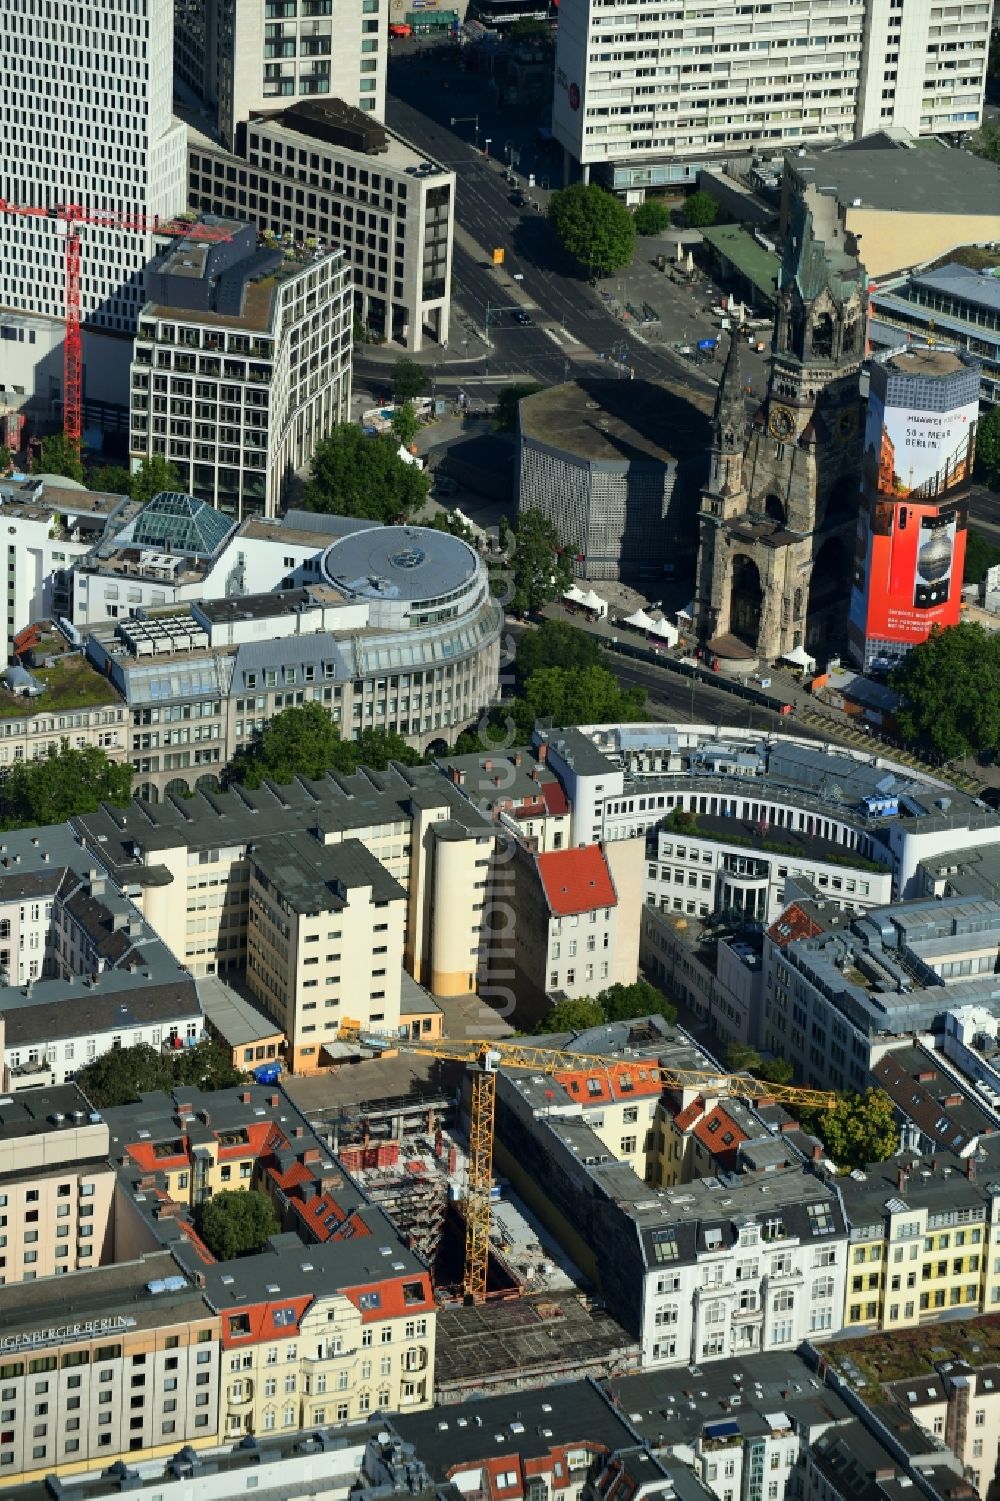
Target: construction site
410 1156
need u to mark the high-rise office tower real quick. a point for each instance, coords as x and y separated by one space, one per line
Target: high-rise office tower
242 57
85 118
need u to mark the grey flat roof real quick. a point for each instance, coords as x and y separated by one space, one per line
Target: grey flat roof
102 1291
956 280
233 1015
399 562
312 877
27 1114
618 422
910 182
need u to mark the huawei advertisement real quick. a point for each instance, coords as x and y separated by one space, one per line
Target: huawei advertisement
910 549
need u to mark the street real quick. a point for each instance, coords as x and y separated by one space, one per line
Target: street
573 327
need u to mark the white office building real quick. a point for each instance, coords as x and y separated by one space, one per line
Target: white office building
242 56
85 118
645 95
242 364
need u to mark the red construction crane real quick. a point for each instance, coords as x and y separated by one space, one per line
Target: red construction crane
72 215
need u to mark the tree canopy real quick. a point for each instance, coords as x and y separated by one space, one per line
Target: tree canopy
357 475
541 568
113 478
154 475
950 690
60 786
700 209
595 227
861 1128
742 1058
121 1075
405 423
980 556
571 696
505 411
651 217
408 380
616 1003
59 455
304 741
236 1222
556 644
6 458
988 444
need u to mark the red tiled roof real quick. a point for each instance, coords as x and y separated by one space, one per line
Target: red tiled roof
261 1318
555 798
719 1133
392 1303
793 924
623 1081
687 1117
186 1228
576 880
143 1154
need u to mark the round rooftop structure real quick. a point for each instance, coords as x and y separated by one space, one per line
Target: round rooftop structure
402 564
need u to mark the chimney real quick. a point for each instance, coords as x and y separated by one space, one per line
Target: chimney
517 758
542 751
246 1097
817 1152
298 1130
274 1101
488 764
901 1177
970 1167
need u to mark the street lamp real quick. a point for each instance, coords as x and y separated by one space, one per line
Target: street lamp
486 146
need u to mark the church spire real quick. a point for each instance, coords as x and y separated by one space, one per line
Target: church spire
730 407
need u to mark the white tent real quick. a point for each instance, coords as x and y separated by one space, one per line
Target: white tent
640 620
799 657
669 633
592 601
687 614
574 595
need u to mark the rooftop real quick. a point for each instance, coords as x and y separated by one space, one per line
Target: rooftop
576 880
400 563
178 523
620 422
73 683
37 1112
119 1291
926 362
314 878
955 183
234 1016
758 264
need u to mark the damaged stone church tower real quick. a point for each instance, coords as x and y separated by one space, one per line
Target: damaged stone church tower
779 512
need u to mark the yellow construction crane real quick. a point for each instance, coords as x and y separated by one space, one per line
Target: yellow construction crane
485 1056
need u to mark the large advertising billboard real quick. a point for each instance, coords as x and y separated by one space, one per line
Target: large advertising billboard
910 552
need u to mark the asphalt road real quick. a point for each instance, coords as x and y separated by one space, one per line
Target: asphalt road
984 511
420 108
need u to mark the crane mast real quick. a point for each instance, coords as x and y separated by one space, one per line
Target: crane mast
486 1057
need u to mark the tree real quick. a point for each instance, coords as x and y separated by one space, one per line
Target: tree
987 143
357 475
6 458
742 1058
236 1222
980 556
950 691
59 455
590 696
651 217
505 411
405 424
988 445
305 742
622 1002
861 1128
528 29
154 475
121 1075
700 209
571 1015
556 644
114 478
595 227
542 570
408 380
447 521
302 741
775 1071
61 786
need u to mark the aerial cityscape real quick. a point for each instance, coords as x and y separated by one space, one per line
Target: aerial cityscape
500 750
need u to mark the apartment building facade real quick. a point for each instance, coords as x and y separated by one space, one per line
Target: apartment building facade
241 365
187 863
137 1377
324 943
644 97
310 173
56 1186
